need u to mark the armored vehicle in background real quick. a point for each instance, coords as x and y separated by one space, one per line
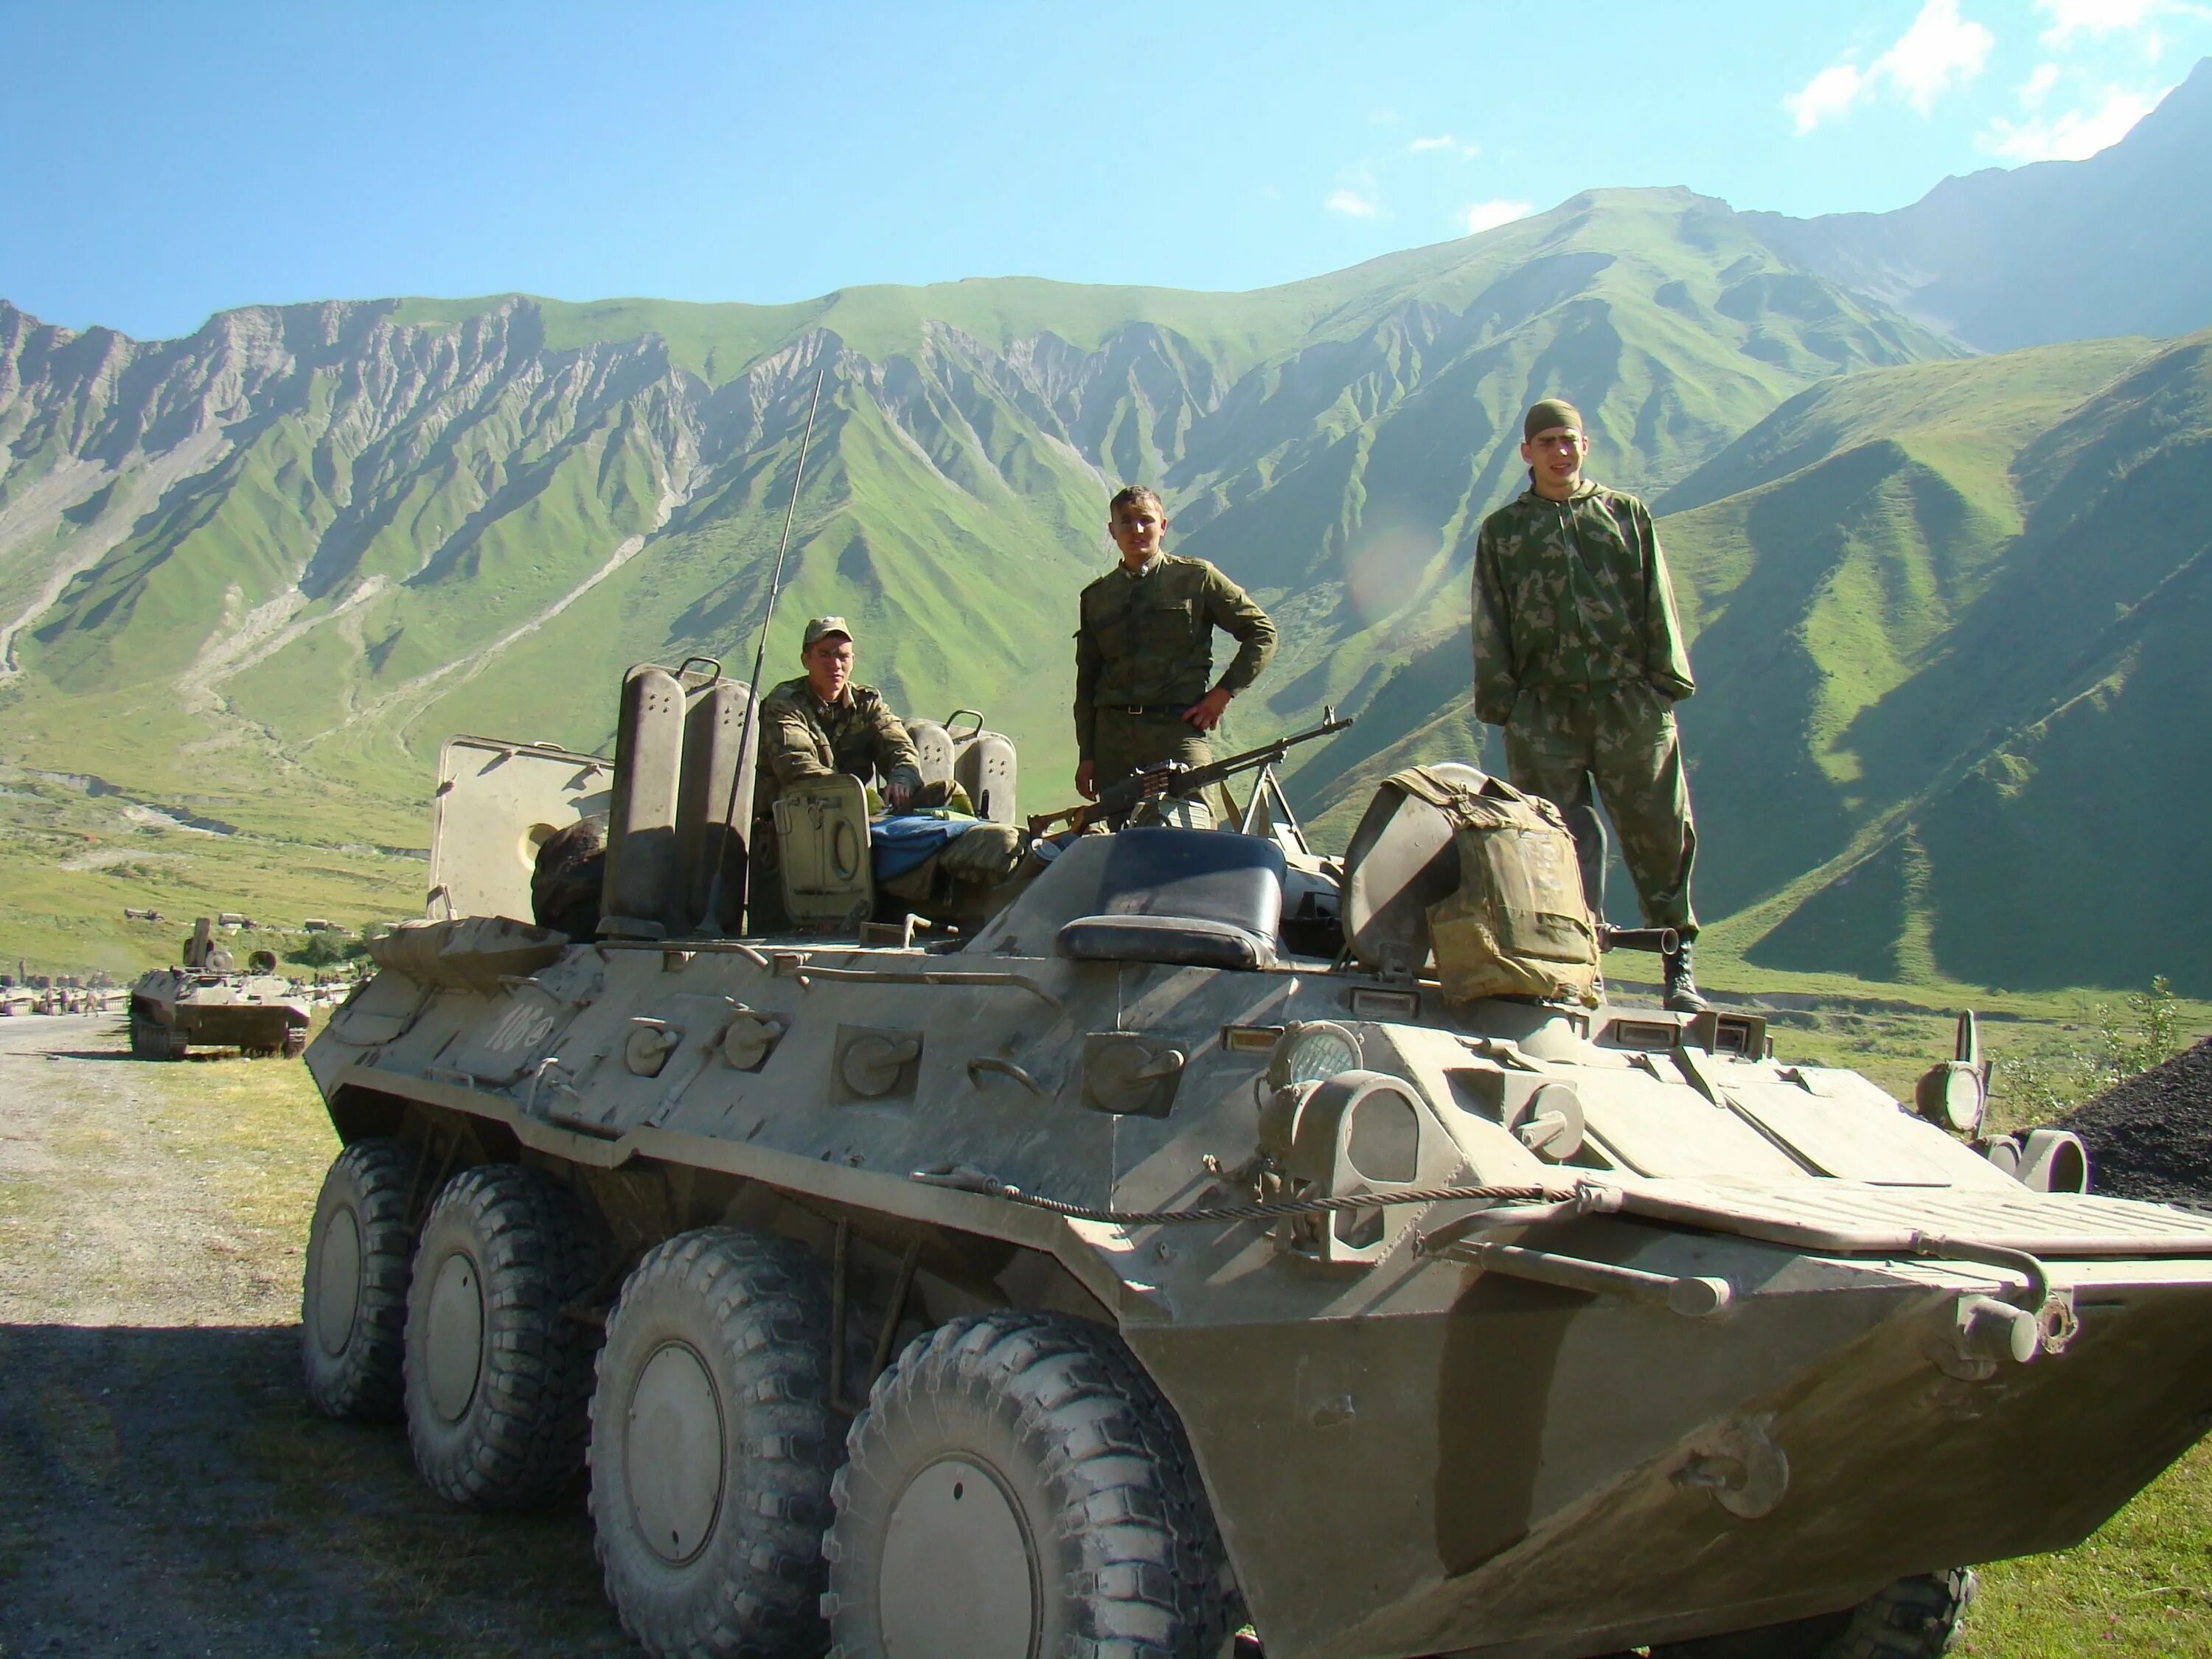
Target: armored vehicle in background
208 1004
1120 1273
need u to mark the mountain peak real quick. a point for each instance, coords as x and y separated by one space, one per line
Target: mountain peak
2119 243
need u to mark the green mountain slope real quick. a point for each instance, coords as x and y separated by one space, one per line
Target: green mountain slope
254 578
302 546
1948 623
1988 681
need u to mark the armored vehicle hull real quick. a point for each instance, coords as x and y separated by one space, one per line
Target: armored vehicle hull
1114 1274
1720 1386
174 1010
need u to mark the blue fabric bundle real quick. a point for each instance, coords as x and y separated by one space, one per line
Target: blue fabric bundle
898 843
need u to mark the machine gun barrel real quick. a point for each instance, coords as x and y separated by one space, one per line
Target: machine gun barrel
1117 801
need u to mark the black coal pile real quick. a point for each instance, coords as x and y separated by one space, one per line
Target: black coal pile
2151 1136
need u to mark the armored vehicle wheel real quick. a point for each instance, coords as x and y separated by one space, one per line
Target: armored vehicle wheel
1915 1618
496 1375
712 1447
353 1304
1017 1486
296 1044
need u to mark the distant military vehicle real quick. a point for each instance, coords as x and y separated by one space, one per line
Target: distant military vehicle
208 1002
1132 1267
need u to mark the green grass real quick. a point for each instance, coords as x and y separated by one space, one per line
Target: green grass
2142 1585
70 864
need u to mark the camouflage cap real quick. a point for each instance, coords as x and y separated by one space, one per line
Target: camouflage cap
1548 412
821 629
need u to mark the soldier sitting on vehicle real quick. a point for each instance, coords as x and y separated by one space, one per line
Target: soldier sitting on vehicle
822 723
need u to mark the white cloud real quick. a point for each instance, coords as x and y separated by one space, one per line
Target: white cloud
1940 47
2038 85
1938 51
1488 216
1444 141
2075 135
1352 203
2071 17
1827 95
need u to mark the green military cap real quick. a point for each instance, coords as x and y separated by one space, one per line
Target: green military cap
1548 413
822 627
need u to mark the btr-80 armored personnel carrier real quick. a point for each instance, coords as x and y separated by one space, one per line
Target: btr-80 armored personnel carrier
208 1002
1119 1275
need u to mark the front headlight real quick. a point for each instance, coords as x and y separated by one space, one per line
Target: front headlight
1311 1052
1950 1097
1953 1094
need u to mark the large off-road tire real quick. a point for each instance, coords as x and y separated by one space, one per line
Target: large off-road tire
296 1042
1915 1618
497 1373
1017 1486
713 1445
353 1300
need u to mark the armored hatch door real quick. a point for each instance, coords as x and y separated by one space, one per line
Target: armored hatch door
823 847
1842 1125
1653 1126
497 804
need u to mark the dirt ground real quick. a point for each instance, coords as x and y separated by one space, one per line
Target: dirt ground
166 1490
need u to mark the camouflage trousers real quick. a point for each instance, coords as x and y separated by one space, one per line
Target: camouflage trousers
962 882
1122 743
1621 736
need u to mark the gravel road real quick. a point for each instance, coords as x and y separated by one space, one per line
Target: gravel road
168 1491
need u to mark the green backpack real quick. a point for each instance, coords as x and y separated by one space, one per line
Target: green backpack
1518 926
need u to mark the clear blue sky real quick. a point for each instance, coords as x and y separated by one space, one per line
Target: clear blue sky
165 161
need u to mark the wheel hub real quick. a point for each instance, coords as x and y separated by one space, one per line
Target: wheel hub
674 1453
338 1281
456 1344
959 1573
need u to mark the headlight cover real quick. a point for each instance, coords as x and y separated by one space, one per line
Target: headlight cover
1312 1051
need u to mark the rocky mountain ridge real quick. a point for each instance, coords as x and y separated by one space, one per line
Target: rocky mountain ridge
265 570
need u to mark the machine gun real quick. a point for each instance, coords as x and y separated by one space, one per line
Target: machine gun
1117 801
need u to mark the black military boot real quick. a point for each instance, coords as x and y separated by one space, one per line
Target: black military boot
1682 996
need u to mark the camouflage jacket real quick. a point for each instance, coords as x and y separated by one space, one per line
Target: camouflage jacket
1572 593
1146 641
801 736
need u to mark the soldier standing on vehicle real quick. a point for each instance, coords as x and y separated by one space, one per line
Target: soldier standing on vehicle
1144 651
1578 655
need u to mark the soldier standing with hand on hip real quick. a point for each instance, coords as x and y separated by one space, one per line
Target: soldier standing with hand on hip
1578 655
1144 651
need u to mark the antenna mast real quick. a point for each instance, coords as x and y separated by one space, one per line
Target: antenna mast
711 920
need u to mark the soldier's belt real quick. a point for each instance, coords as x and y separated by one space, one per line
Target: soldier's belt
1148 708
